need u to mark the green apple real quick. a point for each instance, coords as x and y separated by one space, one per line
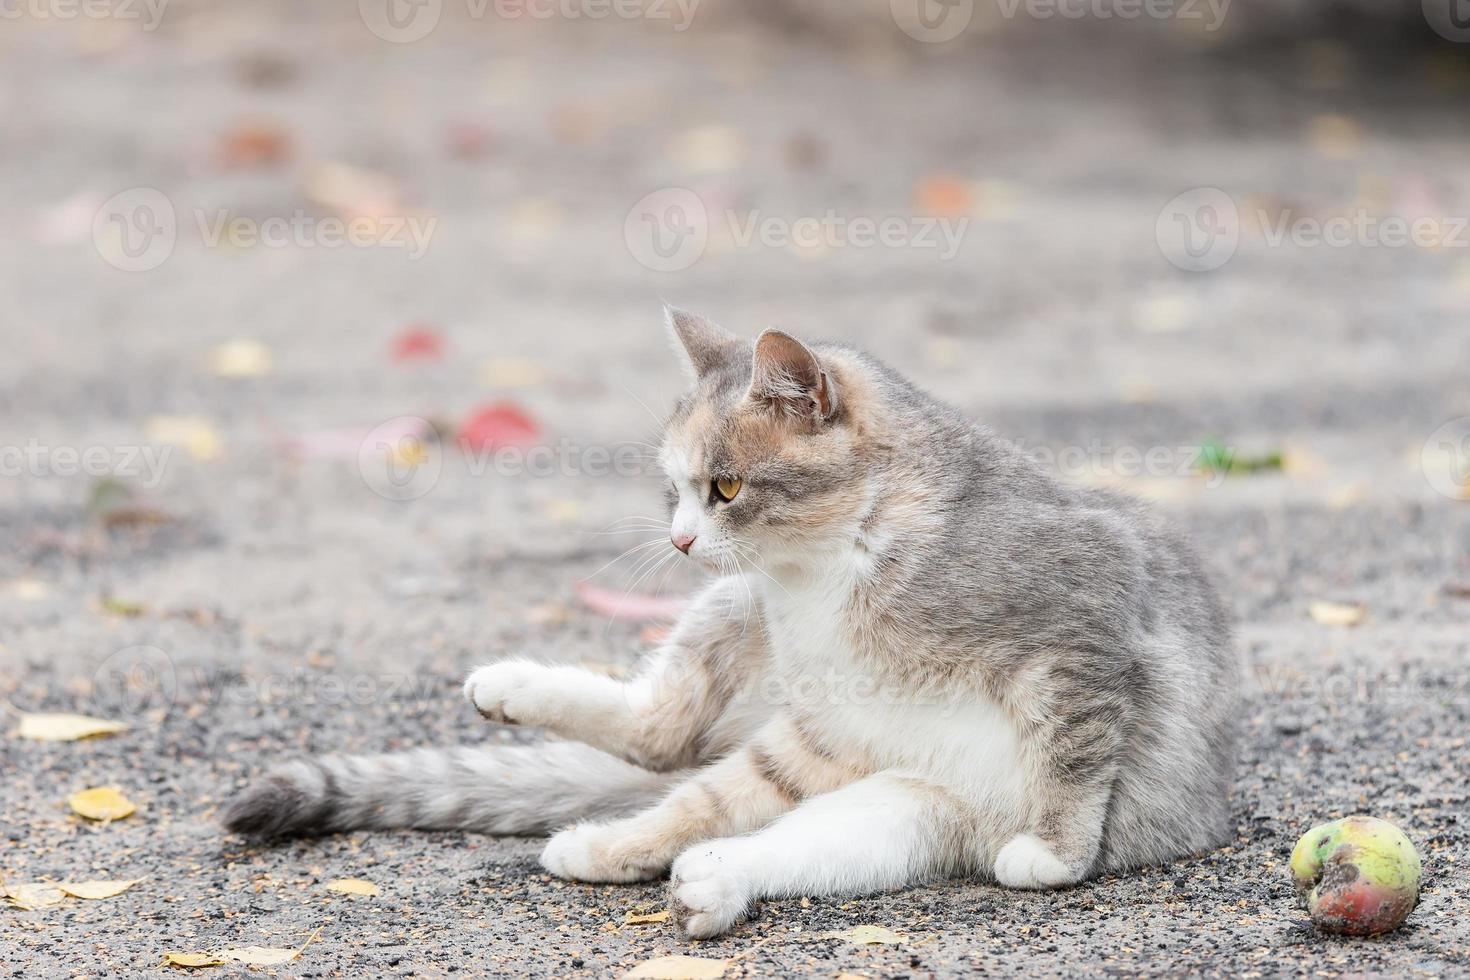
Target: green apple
1359 875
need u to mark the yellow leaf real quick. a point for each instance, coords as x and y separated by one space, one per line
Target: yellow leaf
260 955
645 918
195 434
511 372
102 803
1337 613
679 968
868 935
353 886
266 955
122 607
240 359
96 890
192 961
65 728
32 895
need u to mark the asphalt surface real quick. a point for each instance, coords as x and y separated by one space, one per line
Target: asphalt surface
266 600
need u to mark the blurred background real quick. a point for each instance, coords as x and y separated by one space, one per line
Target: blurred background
333 351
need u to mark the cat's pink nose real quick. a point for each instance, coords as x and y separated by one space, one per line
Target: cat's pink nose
683 542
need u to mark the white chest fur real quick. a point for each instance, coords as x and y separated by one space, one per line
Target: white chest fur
955 736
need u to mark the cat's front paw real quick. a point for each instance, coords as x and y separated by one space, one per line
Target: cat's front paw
1026 862
504 692
709 890
598 853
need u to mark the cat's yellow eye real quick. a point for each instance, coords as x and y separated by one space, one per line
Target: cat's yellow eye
726 487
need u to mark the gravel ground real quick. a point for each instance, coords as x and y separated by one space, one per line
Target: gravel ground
286 607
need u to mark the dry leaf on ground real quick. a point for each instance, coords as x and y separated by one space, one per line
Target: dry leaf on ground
645 918
192 961
65 727
1338 613
96 891
32 895
868 935
195 434
240 359
353 886
679 968
103 803
247 955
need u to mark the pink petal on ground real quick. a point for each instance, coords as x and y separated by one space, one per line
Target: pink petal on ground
630 606
498 426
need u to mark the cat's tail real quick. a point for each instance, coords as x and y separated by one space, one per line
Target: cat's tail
521 789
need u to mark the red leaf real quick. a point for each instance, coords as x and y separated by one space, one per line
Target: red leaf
416 342
254 145
498 426
630 605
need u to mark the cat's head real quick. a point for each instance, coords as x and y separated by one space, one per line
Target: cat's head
762 454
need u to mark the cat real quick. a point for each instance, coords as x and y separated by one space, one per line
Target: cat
920 656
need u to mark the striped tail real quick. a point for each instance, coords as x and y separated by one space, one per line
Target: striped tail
523 789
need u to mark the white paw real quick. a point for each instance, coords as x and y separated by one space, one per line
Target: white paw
592 852
504 692
709 889
1025 862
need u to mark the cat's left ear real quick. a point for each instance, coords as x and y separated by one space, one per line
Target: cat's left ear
787 375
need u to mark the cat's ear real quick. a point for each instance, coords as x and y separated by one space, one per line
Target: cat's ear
705 343
787 375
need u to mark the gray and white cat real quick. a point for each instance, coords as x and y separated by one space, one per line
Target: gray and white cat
921 657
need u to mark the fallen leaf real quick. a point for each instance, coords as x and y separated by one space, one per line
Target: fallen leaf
240 359
679 968
533 220
498 426
65 727
121 607
1335 137
192 961
417 342
353 886
96 891
33 895
511 372
868 936
104 803
352 191
628 605
708 149
254 145
193 433
943 196
562 510
548 614
645 918
1338 613
267 955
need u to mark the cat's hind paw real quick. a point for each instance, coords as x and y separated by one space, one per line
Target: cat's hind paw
708 890
1026 862
595 852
